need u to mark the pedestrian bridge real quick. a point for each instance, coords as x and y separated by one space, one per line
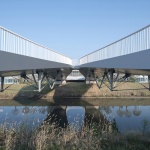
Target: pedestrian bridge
129 55
20 56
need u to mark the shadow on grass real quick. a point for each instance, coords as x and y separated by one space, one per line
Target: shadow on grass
67 94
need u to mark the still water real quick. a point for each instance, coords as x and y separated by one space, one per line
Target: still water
124 117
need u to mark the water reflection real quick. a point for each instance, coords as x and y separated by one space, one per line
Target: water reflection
127 117
75 116
120 112
18 114
57 115
118 118
137 111
128 112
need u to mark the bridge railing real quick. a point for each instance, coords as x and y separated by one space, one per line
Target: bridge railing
13 43
135 42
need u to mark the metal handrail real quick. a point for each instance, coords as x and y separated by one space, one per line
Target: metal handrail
69 61
112 44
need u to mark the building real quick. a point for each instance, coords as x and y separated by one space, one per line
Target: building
141 79
10 80
75 75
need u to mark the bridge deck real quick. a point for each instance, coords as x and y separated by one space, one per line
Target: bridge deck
127 55
18 55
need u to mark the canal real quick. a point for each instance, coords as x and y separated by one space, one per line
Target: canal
120 118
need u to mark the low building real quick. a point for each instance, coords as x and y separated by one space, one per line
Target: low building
75 75
141 79
10 80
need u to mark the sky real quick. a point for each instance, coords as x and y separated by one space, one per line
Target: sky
74 28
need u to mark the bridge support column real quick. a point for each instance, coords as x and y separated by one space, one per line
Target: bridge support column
111 79
116 79
34 78
51 83
149 82
2 84
39 80
102 80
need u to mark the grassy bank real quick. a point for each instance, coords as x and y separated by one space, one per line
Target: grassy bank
55 138
76 90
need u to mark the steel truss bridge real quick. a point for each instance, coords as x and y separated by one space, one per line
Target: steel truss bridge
128 56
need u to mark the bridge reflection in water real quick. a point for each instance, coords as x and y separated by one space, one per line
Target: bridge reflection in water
118 118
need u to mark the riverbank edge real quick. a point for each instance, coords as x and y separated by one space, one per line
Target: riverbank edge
76 91
77 102
92 97
77 97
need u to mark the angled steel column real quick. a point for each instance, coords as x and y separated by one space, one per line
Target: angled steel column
116 79
43 78
2 84
102 80
50 85
39 80
111 79
34 78
149 82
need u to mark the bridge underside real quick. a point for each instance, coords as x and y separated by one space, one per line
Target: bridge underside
130 64
13 64
110 69
135 64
